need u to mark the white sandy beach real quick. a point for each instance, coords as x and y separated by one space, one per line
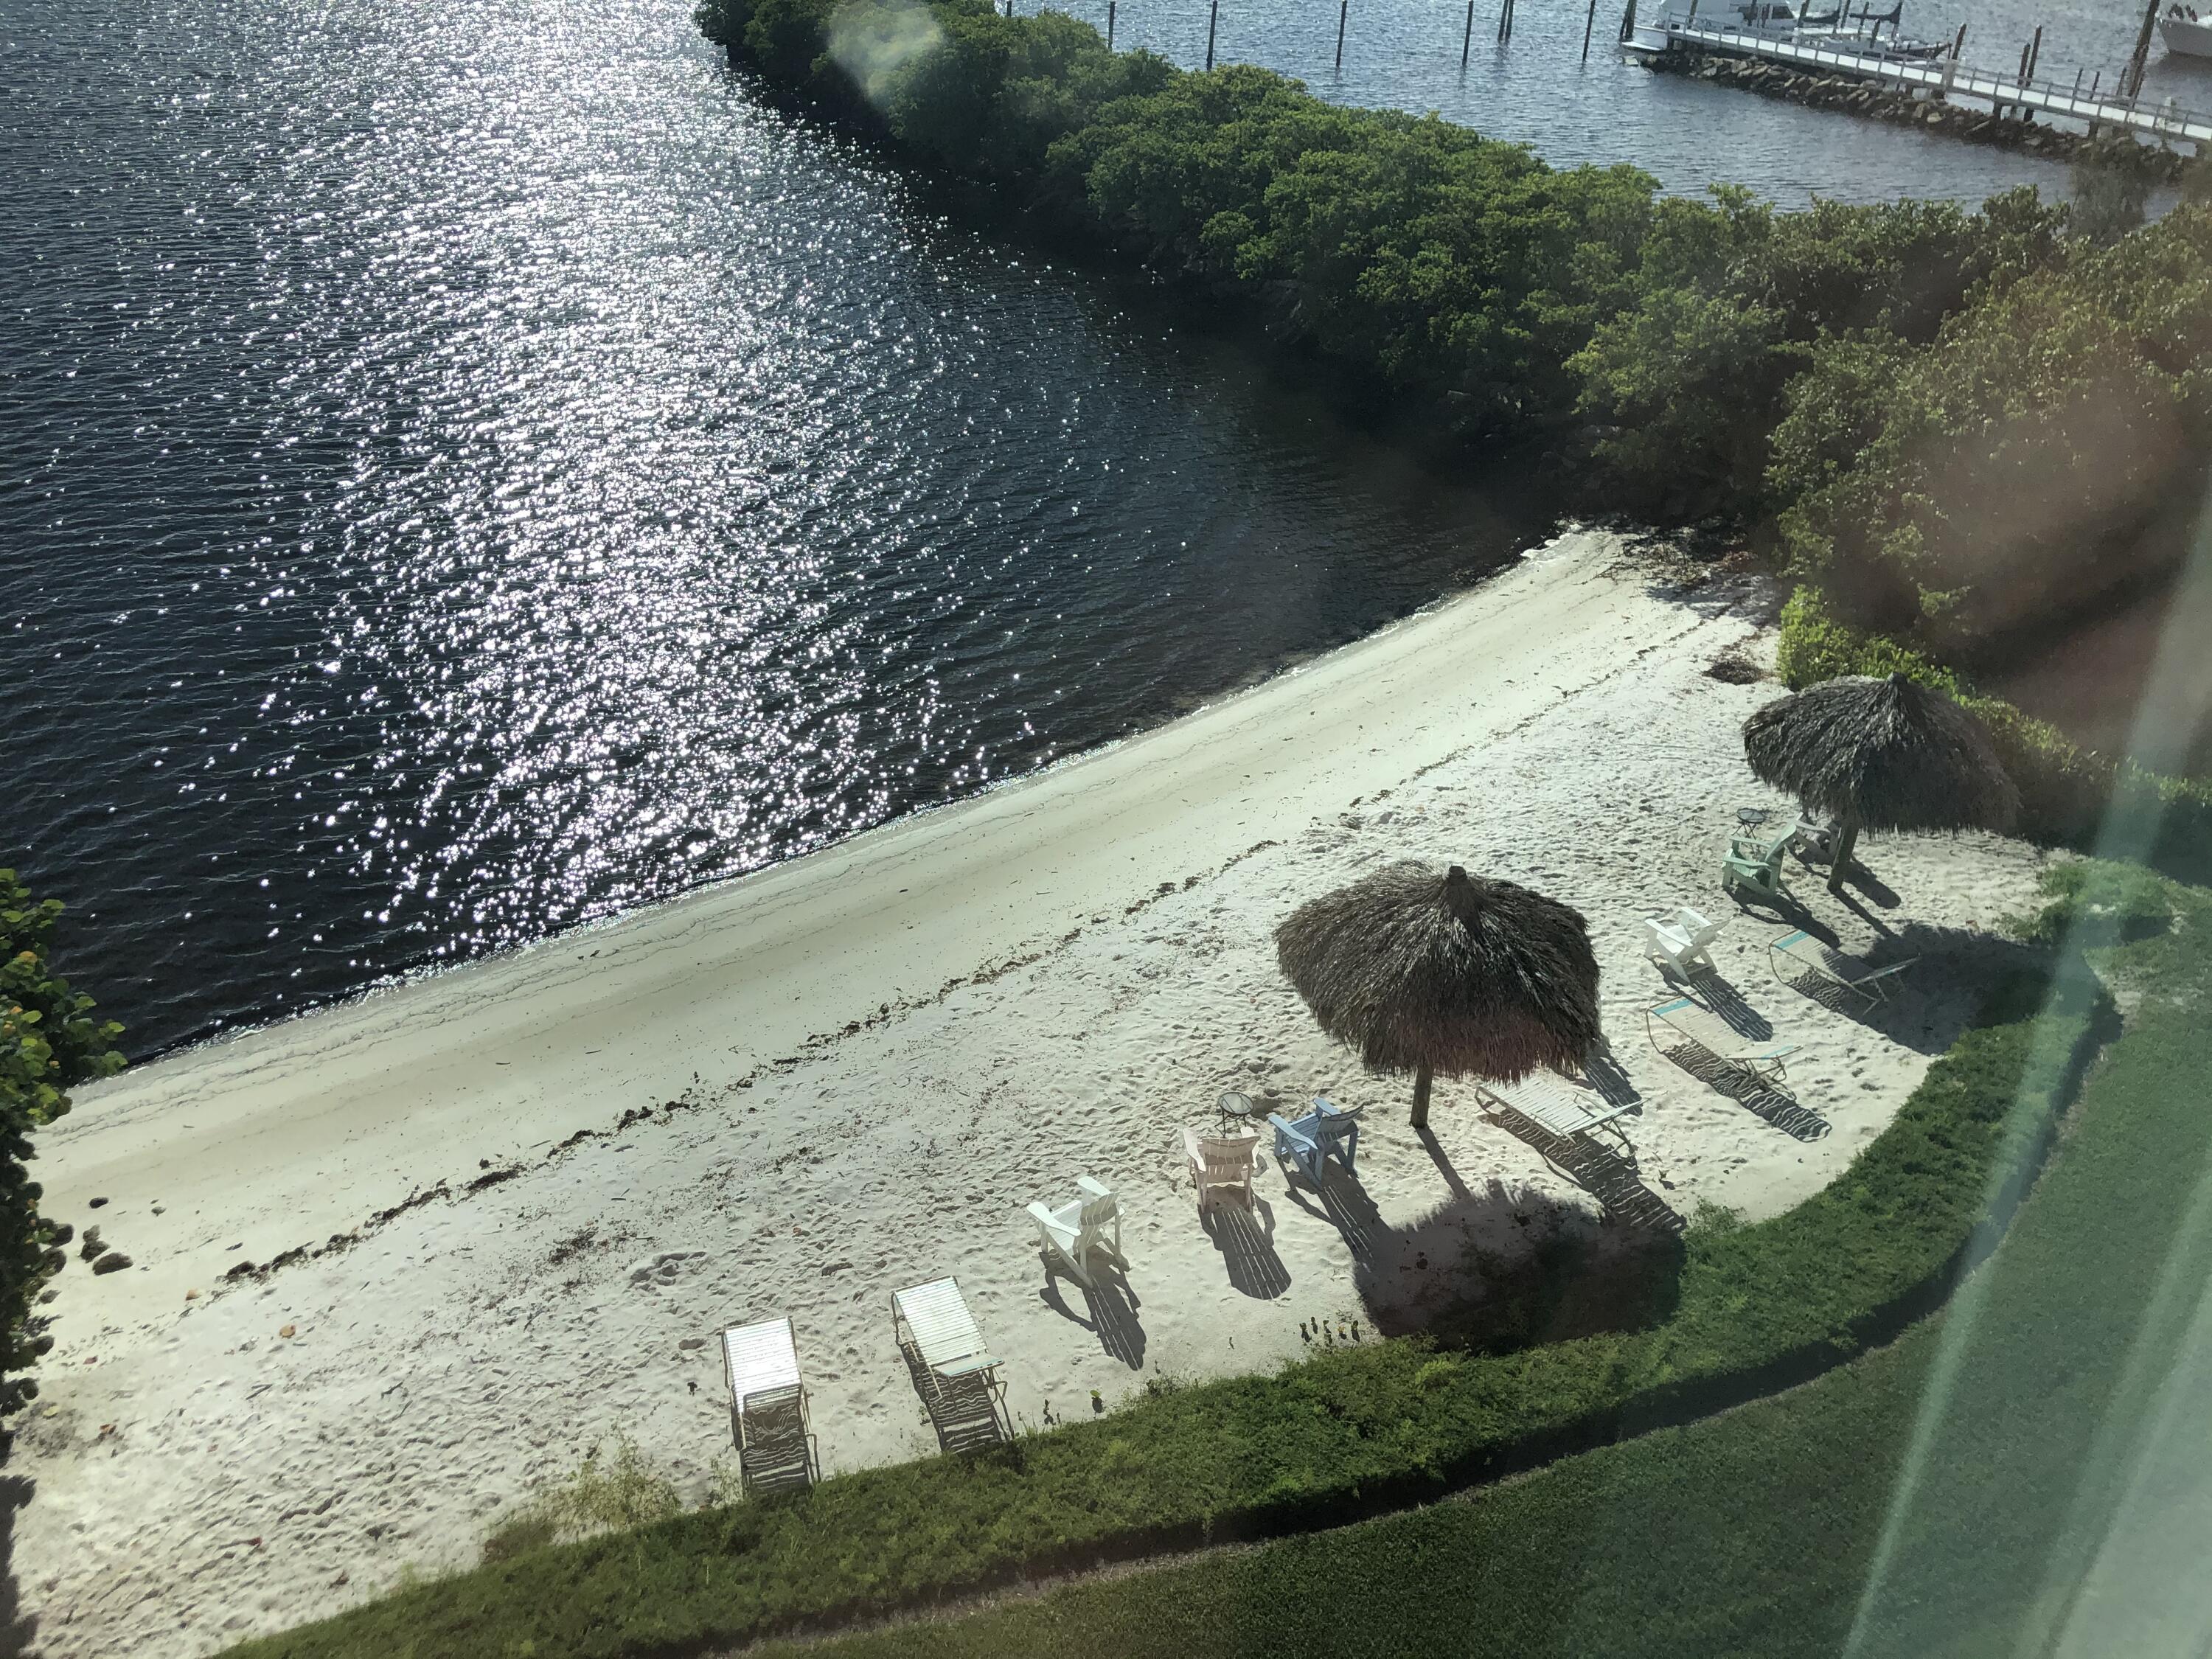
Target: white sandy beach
877 1055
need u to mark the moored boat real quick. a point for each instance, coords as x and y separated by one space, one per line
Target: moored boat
2185 35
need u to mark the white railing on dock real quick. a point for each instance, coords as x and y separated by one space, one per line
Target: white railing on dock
1947 77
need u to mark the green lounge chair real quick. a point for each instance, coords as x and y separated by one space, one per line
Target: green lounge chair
1756 866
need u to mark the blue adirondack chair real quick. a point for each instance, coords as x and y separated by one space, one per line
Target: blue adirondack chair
1309 1143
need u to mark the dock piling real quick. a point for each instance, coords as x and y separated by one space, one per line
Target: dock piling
1213 17
1110 5
1588 24
1466 40
2132 81
1343 11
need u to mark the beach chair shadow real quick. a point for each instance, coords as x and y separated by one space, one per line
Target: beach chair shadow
1725 999
1605 1174
1957 970
1341 1201
1109 1313
1246 1239
1835 999
964 1410
1606 1074
1761 1098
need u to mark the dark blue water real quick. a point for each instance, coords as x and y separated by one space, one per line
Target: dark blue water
467 470
470 469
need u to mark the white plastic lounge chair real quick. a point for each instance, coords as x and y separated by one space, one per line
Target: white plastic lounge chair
768 1408
1683 944
956 1374
1552 1103
1221 1165
1808 954
1074 1231
1703 1028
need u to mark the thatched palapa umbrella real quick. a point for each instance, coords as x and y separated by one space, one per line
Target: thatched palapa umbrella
1882 753
1424 972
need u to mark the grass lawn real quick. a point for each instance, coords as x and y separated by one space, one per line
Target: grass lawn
1982 1460
1348 1434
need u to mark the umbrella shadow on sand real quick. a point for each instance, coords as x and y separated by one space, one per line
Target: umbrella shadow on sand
1246 1239
1110 1312
1934 1000
1502 1269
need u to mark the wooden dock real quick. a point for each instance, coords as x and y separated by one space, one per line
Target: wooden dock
1945 78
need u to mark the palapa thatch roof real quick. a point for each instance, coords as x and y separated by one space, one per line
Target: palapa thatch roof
1889 753
1416 967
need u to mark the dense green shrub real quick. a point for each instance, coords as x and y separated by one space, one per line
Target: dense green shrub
49 1043
1442 262
1732 301
1362 1427
2050 446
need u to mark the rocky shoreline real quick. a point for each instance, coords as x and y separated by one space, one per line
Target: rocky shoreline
1851 95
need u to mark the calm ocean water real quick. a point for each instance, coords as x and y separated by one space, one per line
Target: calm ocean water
469 470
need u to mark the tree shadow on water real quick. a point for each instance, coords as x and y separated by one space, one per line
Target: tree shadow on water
1246 1239
1504 1269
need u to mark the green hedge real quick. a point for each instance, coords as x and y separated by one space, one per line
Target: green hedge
49 1043
1451 267
1342 1434
2014 1414
2067 791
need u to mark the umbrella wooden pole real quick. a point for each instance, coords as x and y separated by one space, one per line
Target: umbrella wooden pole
1847 837
1421 1079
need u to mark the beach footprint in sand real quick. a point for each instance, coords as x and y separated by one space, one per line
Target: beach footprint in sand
665 1269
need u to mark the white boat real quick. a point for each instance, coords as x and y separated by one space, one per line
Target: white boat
1826 23
2186 36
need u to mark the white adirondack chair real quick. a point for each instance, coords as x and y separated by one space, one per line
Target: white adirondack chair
1221 1165
1074 1231
1684 943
